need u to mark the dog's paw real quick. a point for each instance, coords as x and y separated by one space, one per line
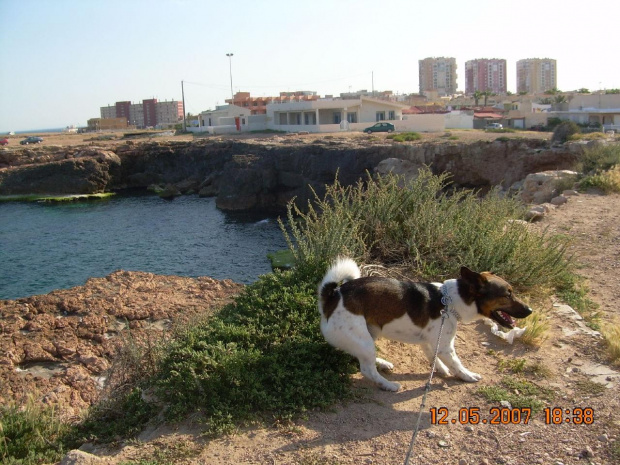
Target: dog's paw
470 376
389 386
441 369
384 365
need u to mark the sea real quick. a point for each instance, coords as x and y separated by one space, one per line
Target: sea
48 246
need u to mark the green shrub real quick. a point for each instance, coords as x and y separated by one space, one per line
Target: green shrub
564 131
425 228
31 434
600 158
500 130
260 358
405 137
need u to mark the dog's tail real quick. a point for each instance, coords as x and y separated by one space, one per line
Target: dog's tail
342 270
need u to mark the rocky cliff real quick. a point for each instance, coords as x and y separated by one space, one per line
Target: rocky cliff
267 173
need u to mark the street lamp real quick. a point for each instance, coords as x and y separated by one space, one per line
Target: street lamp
230 55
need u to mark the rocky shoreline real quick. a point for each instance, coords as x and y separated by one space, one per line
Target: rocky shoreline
267 173
58 347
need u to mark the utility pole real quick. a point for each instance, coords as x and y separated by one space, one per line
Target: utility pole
183 97
372 76
232 97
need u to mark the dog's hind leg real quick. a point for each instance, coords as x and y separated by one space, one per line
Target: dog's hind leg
348 332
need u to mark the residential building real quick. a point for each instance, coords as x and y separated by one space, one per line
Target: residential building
105 124
536 75
258 105
223 115
485 75
438 75
148 113
593 109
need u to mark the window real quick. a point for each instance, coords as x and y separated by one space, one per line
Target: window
391 115
380 115
352 117
337 118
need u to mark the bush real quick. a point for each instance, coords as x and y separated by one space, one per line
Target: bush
405 137
261 358
425 229
31 434
563 131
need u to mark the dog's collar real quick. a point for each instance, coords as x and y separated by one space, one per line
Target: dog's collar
446 300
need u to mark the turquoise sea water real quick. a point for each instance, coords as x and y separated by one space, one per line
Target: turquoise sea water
55 246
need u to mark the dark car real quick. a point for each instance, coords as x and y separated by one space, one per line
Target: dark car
4 141
380 127
31 140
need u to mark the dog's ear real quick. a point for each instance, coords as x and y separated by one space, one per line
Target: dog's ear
473 278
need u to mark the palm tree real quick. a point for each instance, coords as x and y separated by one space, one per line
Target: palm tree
486 94
477 95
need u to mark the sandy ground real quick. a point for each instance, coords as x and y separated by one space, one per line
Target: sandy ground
101 139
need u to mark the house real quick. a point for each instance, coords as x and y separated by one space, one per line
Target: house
355 114
323 115
524 114
225 118
598 108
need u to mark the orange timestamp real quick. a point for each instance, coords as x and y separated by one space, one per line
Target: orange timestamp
472 416
511 416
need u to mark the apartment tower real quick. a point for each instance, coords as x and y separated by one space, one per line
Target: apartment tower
536 75
438 75
484 74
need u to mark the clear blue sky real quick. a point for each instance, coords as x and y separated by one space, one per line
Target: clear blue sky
62 60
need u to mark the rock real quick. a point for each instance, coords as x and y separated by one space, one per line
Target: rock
603 438
463 462
169 192
505 404
587 453
406 169
559 200
541 187
570 193
469 428
78 457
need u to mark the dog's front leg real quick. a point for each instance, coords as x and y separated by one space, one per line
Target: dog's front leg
447 354
440 367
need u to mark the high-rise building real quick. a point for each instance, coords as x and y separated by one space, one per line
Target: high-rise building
536 75
438 75
149 113
484 75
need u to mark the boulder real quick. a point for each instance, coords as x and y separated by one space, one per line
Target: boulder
541 187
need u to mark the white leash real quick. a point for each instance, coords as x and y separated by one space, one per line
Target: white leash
446 300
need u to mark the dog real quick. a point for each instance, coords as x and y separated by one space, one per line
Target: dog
360 310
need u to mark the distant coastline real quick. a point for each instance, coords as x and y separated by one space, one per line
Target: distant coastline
36 131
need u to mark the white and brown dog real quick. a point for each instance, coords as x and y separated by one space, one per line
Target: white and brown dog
360 310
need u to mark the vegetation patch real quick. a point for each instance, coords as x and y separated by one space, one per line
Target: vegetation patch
500 130
31 434
262 358
55 198
518 392
611 333
405 137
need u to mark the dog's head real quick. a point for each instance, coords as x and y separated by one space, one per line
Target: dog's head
494 297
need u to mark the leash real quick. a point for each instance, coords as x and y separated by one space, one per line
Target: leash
446 300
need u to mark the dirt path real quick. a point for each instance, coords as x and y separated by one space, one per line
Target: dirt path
569 367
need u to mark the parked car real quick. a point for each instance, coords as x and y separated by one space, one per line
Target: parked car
380 127
31 140
494 126
4 141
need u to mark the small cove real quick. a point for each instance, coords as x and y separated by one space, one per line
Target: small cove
47 246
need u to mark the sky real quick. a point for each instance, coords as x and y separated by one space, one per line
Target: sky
62 60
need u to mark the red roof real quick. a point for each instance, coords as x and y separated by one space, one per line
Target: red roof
487 115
